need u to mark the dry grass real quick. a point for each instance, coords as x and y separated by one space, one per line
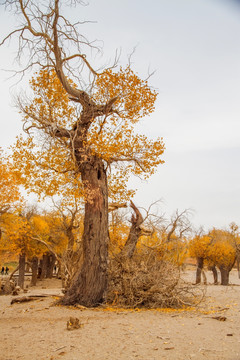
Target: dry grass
146 281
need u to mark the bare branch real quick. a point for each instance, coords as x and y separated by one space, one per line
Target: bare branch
48 246
83 57
10 35
180 221
116 206
127 159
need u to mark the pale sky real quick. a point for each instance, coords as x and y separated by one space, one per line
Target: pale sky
194 48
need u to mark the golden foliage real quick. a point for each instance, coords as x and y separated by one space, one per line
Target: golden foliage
222 252
135 99
198 247
174 251
10 196
51 103
46 164
217 248
118 234
45 170
24 235
20 236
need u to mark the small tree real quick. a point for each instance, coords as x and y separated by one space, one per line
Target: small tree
64 239
19 236
222 253
198 248
234 230
217 248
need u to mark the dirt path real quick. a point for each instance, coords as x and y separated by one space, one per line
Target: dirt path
37 330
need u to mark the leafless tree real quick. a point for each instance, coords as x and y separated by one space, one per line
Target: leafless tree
179 225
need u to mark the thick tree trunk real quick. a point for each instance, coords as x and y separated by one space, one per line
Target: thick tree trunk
14 271
204 277
63 276
238 259
40 269
90 283
28 267
50 265
34 271
134 233
70 236
199 270
22 260
132 240
215 274
238 267
44 266
224 276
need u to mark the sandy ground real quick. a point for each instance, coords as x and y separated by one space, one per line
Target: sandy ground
37 330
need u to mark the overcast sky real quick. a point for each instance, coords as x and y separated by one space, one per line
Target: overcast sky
194 48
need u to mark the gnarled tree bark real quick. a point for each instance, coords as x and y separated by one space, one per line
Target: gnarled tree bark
136 231
50 265
199 270
22 262
34 270
215 274
90 282
50 39
224 275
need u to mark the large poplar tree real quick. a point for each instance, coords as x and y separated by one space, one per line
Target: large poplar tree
87 140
